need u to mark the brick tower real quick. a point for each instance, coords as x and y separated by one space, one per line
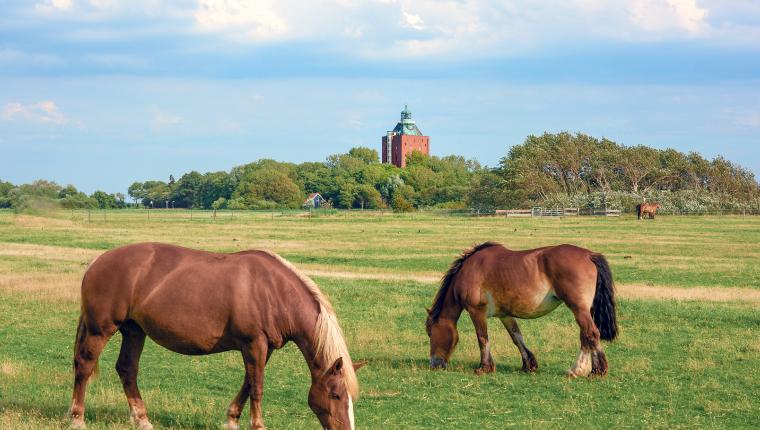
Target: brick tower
403 140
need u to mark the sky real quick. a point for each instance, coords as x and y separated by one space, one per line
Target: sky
102 93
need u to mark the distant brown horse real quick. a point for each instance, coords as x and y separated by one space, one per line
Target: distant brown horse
492 281
196 302
644 209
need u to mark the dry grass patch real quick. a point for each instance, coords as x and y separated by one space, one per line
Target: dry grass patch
46 287
390 276
11 369
30 221
57 253
649 292
700 364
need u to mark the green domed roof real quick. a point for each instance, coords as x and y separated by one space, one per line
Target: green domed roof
407 125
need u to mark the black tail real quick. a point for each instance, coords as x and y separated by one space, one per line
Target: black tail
603 309
638 211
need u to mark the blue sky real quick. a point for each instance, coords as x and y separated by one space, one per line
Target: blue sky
100 93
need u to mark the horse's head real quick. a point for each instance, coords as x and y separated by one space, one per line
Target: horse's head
330 400
657 205
443 339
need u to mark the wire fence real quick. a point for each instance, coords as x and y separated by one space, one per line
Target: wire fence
202 215
226 215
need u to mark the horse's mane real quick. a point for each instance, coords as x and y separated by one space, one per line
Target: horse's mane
328 337
448 278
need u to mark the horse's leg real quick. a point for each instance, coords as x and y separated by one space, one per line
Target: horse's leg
529 363
479 320
89 345
591 358
132 342
236 407
255 356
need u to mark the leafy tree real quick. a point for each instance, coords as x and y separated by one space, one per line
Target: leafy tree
104 200
214 185
367 155
5 188
156 194
219 203
639 163
137 191
186 192
266 188
367 197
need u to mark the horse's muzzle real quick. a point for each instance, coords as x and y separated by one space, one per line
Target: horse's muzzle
437 363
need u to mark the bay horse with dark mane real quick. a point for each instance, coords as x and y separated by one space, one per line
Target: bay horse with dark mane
492 281
644 209
195 303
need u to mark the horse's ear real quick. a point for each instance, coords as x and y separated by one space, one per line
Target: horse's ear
336 367
359 365
428 311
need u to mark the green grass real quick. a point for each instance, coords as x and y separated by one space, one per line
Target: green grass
676 364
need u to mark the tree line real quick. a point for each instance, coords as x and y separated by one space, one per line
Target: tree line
42 194
577 170
552 170
355 179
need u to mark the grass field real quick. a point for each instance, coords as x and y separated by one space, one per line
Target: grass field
688 355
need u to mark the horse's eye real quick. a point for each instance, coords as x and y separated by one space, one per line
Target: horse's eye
334 396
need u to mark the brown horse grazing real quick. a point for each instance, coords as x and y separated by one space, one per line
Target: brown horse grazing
644 209
492 281
196 302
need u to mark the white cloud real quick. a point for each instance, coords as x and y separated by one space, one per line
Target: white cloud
52 6
412 21
161 119
44 112
663 15
427 28
382 29
250 20
102 3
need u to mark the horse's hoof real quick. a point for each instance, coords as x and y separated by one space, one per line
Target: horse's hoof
530 366
77 424
482 370
231 425
142 424
571 374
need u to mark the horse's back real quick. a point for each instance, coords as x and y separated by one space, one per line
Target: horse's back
186 300
527 283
